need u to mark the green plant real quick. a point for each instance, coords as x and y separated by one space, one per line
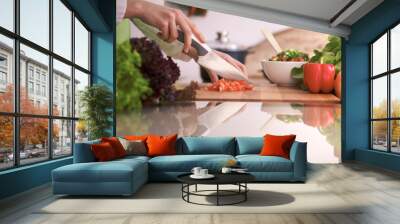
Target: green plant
97 103
132 88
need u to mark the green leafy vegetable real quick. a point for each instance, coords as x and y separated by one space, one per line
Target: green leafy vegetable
161 72
132 87
330 54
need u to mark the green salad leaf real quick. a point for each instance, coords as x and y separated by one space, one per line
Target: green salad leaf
330 54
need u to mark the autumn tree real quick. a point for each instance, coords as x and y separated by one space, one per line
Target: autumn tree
380 127
33 131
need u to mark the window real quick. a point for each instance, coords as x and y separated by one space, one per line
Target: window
7 14
7 142
38 89
81 81
81 45
62 74
37 74
35 21
385 94
30 87
3 61
49 79
62 29
3 78
6 73
30 72
44 91
3 72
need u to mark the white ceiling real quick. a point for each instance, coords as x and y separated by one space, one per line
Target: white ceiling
315 15
319 9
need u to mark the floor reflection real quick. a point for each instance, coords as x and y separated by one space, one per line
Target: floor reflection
319 125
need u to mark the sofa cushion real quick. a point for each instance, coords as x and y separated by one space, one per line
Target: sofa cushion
116 145
161 145
134 147
103 152
83 153
112 171
257 163
249 145
277 145
206 145
185 163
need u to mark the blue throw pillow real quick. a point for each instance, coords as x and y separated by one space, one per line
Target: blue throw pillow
207 145
249 145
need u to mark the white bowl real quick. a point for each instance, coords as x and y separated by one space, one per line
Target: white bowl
279 72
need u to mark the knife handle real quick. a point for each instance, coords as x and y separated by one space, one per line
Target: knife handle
201 50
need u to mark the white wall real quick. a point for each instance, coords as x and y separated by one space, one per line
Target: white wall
241 30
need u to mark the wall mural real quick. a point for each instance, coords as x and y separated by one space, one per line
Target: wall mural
295 90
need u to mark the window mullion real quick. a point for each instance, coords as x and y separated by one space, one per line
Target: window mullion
16 70
73 82
389 101
50 81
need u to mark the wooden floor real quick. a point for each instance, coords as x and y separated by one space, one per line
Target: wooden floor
379 189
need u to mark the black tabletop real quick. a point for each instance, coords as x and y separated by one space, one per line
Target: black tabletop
220 178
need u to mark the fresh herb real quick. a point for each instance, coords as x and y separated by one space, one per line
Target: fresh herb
290 55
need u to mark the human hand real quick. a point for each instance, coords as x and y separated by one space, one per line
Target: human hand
241 67
167 20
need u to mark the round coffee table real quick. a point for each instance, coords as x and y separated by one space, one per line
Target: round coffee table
238 179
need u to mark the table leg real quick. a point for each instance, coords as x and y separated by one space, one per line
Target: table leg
195 188
188 190
245 193
217 194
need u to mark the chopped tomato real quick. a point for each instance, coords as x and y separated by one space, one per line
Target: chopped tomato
224 85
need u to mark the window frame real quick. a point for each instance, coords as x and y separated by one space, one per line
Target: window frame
388 74
16 114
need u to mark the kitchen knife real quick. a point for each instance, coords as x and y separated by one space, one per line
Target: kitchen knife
212 61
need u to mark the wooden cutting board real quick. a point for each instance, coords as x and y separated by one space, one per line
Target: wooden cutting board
268 93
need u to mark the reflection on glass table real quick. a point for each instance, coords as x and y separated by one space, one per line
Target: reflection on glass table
319 125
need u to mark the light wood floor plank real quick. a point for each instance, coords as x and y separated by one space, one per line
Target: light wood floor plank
376 190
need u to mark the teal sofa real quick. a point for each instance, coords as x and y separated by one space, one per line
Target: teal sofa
125 176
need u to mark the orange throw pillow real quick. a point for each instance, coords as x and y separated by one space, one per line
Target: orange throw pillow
277 145
116 145
161 145
103 152
136 137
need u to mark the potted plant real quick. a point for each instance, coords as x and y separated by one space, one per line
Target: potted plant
97 103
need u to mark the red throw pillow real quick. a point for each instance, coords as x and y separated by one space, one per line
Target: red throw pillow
161 145
277 145
116 145
103 152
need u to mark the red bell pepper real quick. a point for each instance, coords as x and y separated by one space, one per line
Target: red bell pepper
318 116
319 77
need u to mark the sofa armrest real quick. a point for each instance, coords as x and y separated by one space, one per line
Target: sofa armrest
83 152
298 155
